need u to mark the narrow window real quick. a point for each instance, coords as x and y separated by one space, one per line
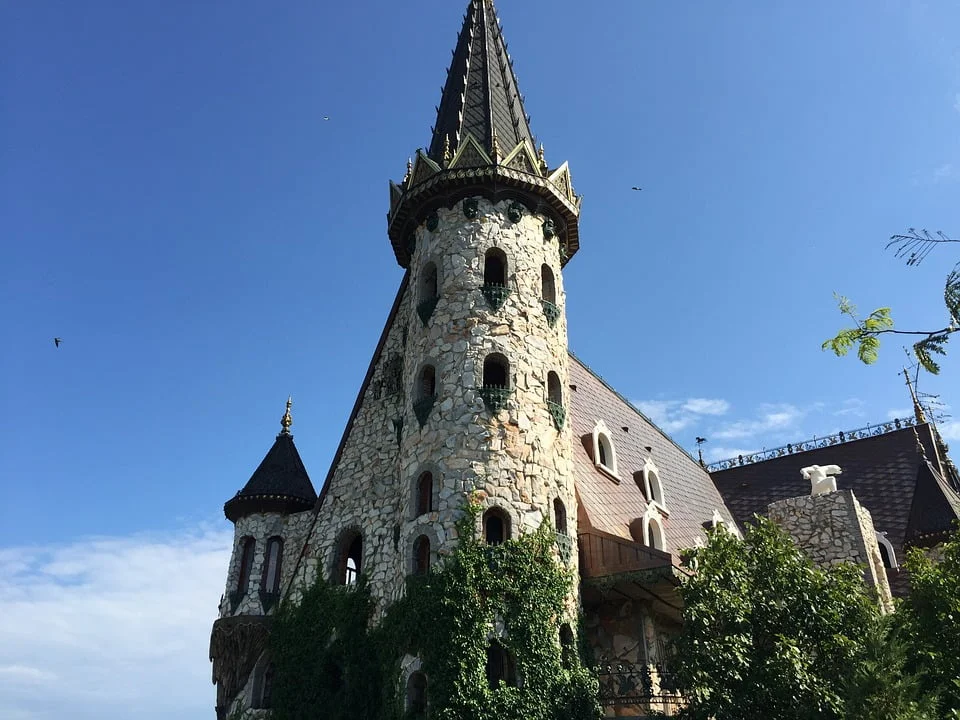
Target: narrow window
266 692
566 645
421 555
271 569
885 555
656 491
655 534
496 371
602 450
554 390
351 556
425 493
428 382
496 526
560 516
417 693
548 289
500 666
246 564
428 283
495 268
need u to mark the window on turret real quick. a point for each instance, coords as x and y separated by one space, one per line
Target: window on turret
351 558
421 555
428 282
554 389
567 645
548 288
424 494
271 566
428 382
496 371
560 516
263 686
501 667
495 268
417 693
246 563
496 526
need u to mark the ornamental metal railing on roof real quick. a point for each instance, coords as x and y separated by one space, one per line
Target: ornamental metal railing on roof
816 443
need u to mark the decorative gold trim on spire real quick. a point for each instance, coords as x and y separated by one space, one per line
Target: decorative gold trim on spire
447 155
542 159
495 148
406 178
287 420
917 407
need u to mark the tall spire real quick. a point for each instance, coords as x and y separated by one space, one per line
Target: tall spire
287 420
481 96
917 407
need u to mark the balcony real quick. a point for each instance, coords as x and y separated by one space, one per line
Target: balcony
603 554
638 690
551 311
495 397
423 407
495 294
425 309
558 412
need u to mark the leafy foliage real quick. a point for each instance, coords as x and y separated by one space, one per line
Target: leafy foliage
767 634
328 656
931 621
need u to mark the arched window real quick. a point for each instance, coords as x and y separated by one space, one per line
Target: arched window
654 490
560 516
424 493
887 553
428 282
270 582
655 538
495 268
428 382
496 526
421 555
246 564
605 455
351 559
567 648
496 372
425 394
263 686
548 288
417 693
501 667
554 389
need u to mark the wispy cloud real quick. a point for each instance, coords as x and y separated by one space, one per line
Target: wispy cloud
771 418
950 430
944 172
956 102
851 407
110 627
895 413
675 415
725 453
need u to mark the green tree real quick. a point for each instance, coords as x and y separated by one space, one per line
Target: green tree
930 617
913 246
766 634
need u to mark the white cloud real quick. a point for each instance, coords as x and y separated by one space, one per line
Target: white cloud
725 453
899 413
956 102
674 415
950 430
944 172
110 627
773 418
851 406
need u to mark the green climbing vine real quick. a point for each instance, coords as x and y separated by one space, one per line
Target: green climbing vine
328 654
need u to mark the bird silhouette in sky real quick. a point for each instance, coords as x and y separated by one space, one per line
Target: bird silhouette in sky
326 117
57 341
636 188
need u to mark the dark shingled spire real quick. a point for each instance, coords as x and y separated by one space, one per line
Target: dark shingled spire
481 95
279 484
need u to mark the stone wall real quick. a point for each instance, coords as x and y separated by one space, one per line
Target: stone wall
516 459
834 528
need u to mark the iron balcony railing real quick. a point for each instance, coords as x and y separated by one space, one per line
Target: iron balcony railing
649 688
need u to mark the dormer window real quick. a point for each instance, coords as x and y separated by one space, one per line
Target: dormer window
604 452
653 488
887 553
653 533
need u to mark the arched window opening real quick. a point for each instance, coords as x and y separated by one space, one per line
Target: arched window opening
548 288
246 564
428 282
560 516
425 493
887 553
496 372
351 559
501 667
655 537
425 394
417 693
554 389
604 453
656 490
495 268
567 649
270 583
263 688
603 450
421 555
428 382
496 526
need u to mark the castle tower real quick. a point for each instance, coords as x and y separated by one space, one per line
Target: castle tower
271 521
467 393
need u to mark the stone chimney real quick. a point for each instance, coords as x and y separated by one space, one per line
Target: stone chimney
831 526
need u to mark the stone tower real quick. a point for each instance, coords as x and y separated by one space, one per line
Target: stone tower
467 393
271 519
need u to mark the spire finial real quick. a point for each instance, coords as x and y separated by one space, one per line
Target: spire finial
447 155
406 178
495 147
542 159
917 407
287 420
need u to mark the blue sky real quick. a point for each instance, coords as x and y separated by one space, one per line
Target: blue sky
175 207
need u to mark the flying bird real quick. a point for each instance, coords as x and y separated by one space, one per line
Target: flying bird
57 341
326 117
636 188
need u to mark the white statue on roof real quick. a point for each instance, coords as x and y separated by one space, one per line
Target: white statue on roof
821 478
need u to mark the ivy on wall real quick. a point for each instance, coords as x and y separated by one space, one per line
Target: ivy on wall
330 658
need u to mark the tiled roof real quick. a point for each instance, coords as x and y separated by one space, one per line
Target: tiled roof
280 482
480 95
689 493
904 493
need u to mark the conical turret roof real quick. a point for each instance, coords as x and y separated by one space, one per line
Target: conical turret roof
279 484
481 95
